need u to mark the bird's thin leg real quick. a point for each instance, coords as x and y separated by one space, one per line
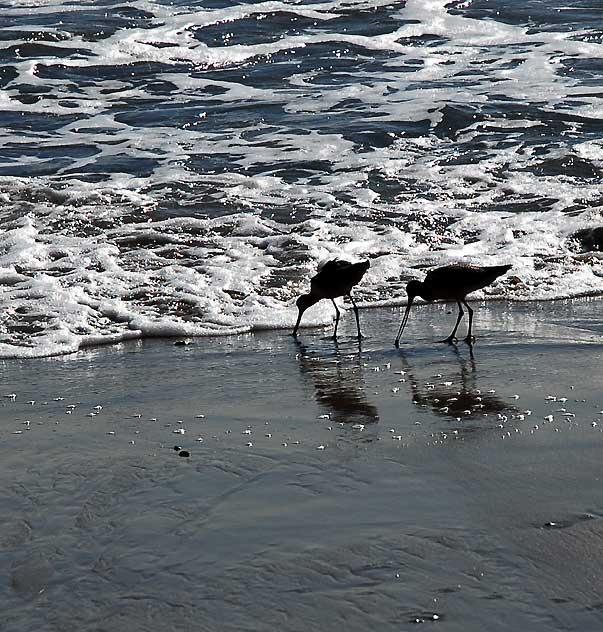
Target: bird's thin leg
357 317
336 318
470 339
452 337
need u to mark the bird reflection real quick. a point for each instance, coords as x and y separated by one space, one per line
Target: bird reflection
338 385
454 396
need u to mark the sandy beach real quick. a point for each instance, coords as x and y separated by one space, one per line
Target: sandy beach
326 487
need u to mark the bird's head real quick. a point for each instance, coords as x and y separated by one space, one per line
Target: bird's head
303 302
413 289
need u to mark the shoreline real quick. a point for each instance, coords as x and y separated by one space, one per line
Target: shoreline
555 306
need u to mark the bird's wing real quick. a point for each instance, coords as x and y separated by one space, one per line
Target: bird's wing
455 281
448 274
334 265
331 269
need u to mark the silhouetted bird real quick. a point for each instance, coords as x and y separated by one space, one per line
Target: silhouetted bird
451 283
335 278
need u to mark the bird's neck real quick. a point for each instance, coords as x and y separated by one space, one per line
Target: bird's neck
309 300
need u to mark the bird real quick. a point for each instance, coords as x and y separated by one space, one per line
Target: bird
451 283
335 278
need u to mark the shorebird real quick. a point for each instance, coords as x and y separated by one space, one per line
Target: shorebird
451 283
335 278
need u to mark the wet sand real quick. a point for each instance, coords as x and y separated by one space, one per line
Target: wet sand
328 487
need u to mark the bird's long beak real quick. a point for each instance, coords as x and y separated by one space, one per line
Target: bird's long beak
403 323
299 317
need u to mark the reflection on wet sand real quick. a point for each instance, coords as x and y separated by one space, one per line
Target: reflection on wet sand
338 384
455 394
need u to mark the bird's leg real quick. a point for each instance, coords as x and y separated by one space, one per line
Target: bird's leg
360 335
336 318
470 339
452 337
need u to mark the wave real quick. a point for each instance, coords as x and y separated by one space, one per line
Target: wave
171 170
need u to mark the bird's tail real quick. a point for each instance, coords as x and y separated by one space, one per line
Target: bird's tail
500 270
495 271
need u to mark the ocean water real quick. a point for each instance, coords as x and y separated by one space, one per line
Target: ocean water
182 168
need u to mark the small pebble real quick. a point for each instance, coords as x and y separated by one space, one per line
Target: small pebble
179 431
184 453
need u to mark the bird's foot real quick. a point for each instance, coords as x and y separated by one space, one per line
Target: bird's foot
469 340
293 334
451 340
397 344
361 336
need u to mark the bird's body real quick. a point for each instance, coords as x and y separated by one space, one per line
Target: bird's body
335 278
452 283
